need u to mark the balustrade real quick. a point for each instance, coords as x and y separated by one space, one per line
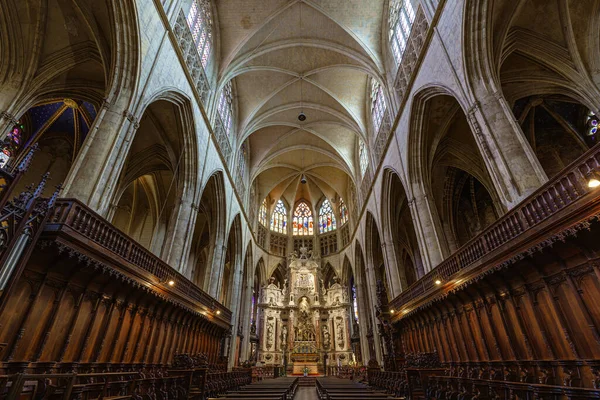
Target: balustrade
70 215
135 383
524 220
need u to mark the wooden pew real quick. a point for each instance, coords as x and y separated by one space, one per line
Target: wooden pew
96 386
272 389
339 389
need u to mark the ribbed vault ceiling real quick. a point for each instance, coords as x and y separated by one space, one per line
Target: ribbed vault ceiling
301 55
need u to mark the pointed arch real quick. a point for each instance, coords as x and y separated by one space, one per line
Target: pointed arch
209 234
399 229
232 264
375 257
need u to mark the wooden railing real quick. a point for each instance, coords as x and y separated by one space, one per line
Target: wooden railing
171 384
77 217
565 189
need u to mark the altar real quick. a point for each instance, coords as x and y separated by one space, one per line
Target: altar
301 320
298 369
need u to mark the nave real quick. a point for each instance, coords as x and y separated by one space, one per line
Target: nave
201 195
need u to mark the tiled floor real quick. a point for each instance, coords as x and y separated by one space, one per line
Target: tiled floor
306 393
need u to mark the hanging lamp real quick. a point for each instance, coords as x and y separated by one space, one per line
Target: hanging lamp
301 116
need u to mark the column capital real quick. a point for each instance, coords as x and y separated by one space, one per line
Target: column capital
132 118
10 117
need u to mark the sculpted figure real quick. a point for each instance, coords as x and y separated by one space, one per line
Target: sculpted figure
284 334
326 337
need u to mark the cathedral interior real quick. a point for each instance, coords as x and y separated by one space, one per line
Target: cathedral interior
208 198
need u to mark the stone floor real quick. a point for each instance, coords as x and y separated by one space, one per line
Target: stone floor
306 393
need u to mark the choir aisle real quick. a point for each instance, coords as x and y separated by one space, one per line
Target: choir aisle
306 393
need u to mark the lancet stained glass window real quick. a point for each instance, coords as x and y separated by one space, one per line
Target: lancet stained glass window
343 212
303 221
378 105
225 107
354 303
199 20
262 213
592 124
363 157
11 145
326 217
279 218
402 16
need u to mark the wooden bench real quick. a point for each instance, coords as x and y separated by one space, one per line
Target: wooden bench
339 389
272 389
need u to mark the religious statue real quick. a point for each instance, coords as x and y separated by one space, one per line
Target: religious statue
340 333
284 334
304 307
326 337
270 335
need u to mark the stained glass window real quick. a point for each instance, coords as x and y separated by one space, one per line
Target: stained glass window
253 305
402 16
363 157
225 107
354 303
592 124
343 212
378 105
279 218
326 217
200 22
11 144
303 220
262 213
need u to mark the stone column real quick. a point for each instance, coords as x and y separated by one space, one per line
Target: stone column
95 174
10 97
510 161
393 274
180 232
372 302
429 231
235 308
214 274
246 307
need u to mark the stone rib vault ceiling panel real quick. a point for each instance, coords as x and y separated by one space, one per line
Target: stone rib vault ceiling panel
240 19
543 17
362 18
299 138
301 59
315 25
254 87
349 87
290 116
310 94
262 140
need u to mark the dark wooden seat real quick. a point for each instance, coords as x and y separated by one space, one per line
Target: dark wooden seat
272 389
340 389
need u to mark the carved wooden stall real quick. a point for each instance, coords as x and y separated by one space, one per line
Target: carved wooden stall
91 299
514 313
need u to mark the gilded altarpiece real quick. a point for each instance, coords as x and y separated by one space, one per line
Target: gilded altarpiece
302 322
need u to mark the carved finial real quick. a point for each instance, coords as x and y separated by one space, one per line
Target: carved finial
26 162
41 186
55 195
